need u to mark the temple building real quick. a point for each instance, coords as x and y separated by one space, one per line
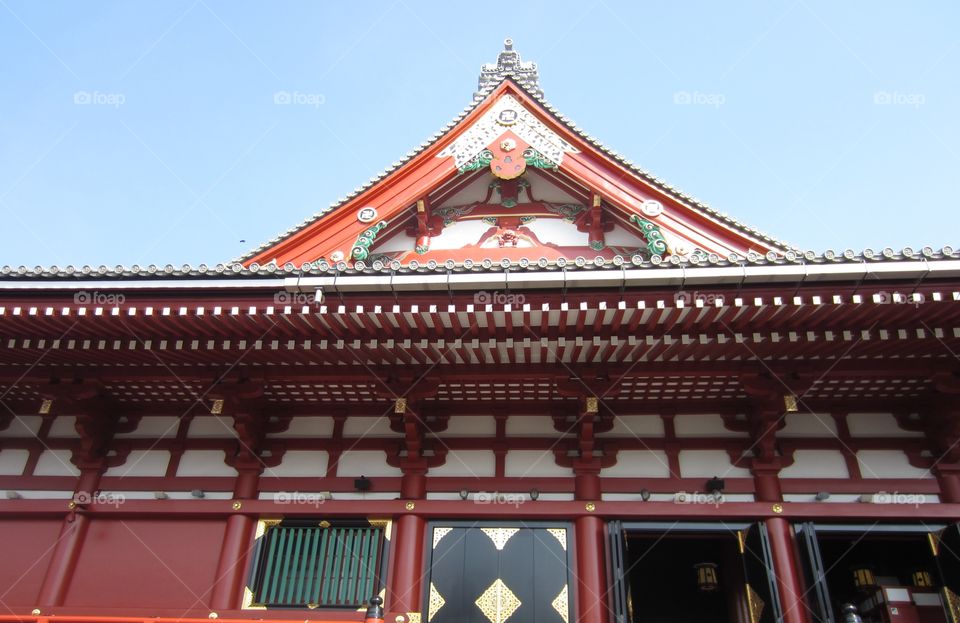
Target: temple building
514 378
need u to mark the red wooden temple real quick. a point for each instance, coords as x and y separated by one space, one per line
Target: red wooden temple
514 378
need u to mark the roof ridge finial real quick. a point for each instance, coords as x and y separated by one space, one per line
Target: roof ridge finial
509 64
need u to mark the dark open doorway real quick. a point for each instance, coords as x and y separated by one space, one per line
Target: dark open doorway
690 573
663 578
890 573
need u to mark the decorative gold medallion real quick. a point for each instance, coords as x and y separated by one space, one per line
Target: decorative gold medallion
410 506
498 602
560 603
217 407
593 404
400 405
500 536
436 602
561 535
45 406
438 534
590 506
237 506
777 508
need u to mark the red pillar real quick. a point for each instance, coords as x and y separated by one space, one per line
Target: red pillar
227 592
63 559
590 571
786 570
407 573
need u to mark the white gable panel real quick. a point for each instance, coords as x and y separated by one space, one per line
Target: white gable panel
877 425
204 463
307 427
309 463
143 463
355 463
635 426
468 463
808 425
533 463
816 464
638 464
368 427
888 464
709 463
703 425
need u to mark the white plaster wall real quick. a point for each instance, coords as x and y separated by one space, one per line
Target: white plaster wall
636 426
55 463
469 463
877 425
470 426
709 463
530 426
212 426
307 427
158 427
531 463
301 463
368 427
808 425
702 425
888 464
23 426
365 463
64 426
12 461
638 464
142 463
204 463
816 464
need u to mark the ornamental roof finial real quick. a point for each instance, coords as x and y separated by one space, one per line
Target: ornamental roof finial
509 64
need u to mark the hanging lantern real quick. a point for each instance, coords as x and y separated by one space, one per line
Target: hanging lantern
706 576
863 578
922 579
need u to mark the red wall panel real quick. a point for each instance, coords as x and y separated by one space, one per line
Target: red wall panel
26 546
145 563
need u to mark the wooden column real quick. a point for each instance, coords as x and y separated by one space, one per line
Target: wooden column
786 568
250 457
96 423
591 589
406 575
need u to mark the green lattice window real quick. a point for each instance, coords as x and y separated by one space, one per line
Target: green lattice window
318 564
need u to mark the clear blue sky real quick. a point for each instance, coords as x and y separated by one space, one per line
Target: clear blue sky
138 132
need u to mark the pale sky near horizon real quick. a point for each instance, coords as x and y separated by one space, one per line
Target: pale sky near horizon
151 132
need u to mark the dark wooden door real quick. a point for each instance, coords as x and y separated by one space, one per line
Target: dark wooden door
498 573
817 592
763 602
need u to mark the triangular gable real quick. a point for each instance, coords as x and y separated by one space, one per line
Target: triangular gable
509 137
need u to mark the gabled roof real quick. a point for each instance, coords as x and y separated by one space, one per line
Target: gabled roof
330 234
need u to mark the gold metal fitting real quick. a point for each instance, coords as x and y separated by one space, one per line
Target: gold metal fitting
590 506
410 506
777 508
237 506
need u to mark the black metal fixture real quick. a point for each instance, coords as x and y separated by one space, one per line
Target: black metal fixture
645 494
706 576
534 494
362 483
822 496
715 485
464 494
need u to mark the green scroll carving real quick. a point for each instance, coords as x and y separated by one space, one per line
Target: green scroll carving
361 248
651 233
